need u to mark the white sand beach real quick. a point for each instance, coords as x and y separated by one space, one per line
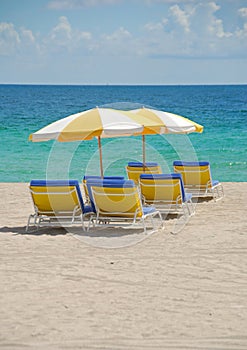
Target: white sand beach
183 291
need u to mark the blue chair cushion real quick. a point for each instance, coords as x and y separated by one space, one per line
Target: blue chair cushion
215 182
181 163
65 183
87 177
148 210
188 197
139 164
161 176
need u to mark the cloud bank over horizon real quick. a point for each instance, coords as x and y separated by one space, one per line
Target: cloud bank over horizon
184 30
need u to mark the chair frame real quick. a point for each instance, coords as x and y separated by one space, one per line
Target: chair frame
177 206
208 189
118 218
55 218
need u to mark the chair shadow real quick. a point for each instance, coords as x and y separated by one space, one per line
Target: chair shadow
196 200
21 230
108 232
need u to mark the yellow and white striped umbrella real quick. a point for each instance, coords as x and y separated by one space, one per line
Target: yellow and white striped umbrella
107 122
160 122
97 122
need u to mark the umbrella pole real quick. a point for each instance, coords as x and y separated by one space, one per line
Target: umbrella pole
143 152
100 157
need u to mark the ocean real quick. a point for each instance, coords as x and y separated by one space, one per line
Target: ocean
24 109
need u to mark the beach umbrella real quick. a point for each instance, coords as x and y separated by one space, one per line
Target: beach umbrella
109 122
161 122
96 122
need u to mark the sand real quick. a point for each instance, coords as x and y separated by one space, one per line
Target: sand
183 291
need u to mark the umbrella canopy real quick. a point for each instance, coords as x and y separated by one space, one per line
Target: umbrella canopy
108 122
97 122
161 122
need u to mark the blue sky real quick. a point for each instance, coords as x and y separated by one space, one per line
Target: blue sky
123 41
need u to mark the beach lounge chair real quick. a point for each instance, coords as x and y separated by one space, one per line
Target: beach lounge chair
57 203
166 192
198 180
118 203
95 177
135 169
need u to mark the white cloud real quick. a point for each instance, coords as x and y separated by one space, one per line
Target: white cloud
150 2
242 33
243 12
9 39
27 36
20 42
75 4
187 30
120 42
152 27
195 30
216 28
156 27
64 37
119 34
61 33
181 17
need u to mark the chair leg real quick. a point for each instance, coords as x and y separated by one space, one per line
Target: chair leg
29 220
192 210
144 225
82 222
218 192
35 218
161 220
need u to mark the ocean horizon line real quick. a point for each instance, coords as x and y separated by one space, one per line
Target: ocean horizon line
116 85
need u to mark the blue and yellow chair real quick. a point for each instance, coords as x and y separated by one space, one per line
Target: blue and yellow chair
135 169
166 192
57 203
96 177
118 203
197 179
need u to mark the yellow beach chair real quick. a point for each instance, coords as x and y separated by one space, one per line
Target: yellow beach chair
198 180
95 177
166 192
57 203
118 203
135 169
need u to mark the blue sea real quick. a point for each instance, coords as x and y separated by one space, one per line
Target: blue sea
24 109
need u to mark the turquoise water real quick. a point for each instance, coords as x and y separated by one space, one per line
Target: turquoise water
24 109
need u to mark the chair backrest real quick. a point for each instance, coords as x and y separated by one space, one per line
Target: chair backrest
53 197
95 177
135 169
162 187
194 173
115 197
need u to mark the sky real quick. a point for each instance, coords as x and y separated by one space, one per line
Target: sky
129 42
